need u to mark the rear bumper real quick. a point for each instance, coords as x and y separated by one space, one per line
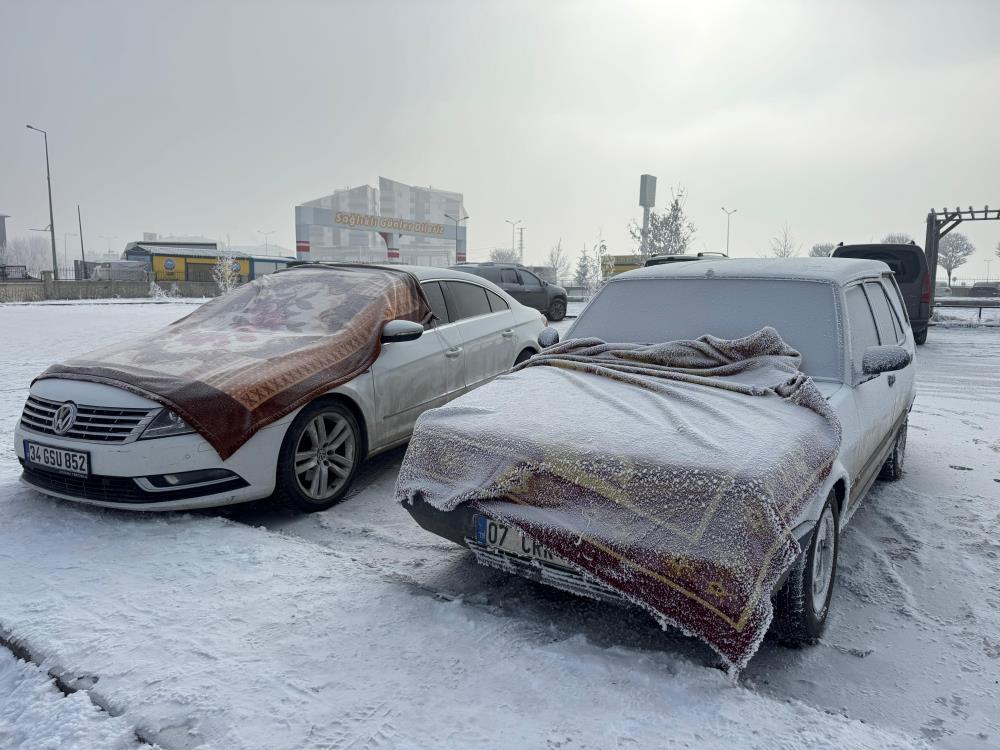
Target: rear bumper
459 526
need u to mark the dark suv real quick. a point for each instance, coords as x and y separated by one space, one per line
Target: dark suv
522 285
910 271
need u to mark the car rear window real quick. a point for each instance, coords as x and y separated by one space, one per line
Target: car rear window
905 263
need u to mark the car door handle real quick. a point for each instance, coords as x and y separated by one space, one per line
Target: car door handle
892 380
508 333
453 352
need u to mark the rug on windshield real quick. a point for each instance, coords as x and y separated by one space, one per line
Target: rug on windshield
670 473
248 358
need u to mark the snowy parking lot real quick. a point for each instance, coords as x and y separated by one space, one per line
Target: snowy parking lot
354 628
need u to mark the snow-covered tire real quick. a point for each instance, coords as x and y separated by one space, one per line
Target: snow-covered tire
920 336
892 469
328 432
802 604
557 310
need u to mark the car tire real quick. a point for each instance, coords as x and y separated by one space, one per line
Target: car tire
523 357
557 310
802 604
920 336
326 440
892 469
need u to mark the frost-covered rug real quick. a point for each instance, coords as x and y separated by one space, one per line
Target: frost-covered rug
248 358
669 472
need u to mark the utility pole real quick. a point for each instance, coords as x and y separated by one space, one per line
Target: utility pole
52 221
513 229
272 231
83 257
728 215
988 261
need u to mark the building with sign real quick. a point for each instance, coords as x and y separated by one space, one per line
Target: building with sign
394 222
194 261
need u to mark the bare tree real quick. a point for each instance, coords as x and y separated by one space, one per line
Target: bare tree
226 273
822 250
558 261
897 238
784 246
504 255
670 232
953 251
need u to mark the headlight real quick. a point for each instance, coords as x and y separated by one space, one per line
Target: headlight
164 424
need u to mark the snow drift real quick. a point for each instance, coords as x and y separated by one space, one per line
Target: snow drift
670 472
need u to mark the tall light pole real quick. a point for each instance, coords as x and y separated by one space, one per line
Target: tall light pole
52 221
988 261
105 237
457 222
513 227
83 257
728 215
271 231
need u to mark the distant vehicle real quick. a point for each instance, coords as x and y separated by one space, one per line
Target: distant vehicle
909 264
985 289
102 445
121 270
659 260
522 285
847 321
941 289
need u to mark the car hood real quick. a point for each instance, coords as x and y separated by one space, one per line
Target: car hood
89 394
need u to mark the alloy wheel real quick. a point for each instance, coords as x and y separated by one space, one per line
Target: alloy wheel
824 556
324 455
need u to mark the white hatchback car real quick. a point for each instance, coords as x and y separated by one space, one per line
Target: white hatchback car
105 446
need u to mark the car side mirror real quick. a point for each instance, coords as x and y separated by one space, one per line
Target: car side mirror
401 330
548 337
879 359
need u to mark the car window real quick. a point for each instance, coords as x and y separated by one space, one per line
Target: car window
863 331
465 300
436 297
497 303
489 273
888 333
904 262
529 279
508 276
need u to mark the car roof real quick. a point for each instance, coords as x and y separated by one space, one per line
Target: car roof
832 270
421 272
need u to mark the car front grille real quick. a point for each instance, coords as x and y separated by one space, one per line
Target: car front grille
102 424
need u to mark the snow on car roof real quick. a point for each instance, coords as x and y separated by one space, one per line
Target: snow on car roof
423 273
835 270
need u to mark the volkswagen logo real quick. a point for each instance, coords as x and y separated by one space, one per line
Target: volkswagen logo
64 418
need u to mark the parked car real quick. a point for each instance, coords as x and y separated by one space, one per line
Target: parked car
523 285
909 264
848 322
659 260
985 289
106 446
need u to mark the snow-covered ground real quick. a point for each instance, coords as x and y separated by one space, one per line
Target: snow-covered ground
355 628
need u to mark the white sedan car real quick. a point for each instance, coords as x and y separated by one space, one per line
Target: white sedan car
104 446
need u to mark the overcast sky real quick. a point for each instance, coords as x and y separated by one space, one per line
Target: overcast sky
845 120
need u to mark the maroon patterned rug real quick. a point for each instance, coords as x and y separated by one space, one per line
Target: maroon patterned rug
671 473
248 358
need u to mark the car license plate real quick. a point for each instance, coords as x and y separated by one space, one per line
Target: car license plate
57 459
495 535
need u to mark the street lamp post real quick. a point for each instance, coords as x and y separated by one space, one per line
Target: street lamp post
513 227
105 237
988 261
271 231
457 222
52 221
728 215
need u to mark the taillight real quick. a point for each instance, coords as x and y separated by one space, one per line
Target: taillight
925 295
